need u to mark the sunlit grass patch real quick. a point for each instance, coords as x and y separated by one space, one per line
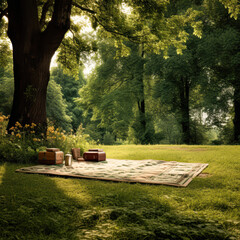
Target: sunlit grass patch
74 190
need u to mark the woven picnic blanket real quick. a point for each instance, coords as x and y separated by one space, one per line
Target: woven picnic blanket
136 171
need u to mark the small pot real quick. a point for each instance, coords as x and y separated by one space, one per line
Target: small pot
68 159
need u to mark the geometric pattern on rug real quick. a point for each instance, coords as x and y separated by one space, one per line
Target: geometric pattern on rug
149 171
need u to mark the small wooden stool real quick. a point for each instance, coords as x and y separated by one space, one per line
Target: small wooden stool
76 153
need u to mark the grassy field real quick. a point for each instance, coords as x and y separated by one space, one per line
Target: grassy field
41 207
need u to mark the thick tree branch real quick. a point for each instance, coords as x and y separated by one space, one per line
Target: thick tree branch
135 39
59 24
108 29
45 8
83 8
23 21
3 12
61 16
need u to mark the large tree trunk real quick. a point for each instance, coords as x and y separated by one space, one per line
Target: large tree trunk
31 78
236 120
32 53
185 113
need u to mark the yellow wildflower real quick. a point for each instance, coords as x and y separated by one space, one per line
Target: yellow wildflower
18 135
33 125
12 128
36 140
51 129
12 133
18 124
1 119
27 125
32 131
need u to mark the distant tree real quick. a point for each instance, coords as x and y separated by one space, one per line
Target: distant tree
70 87
176 77
6 89
108 94
142 125
4 54
168 128
56 107
220 51
6 76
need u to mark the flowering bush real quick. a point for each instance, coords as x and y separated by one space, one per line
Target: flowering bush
67 141
22 144
19 145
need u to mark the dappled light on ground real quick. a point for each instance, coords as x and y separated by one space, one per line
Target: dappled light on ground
72 189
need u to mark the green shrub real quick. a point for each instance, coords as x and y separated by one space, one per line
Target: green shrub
108 139
12 152
23 145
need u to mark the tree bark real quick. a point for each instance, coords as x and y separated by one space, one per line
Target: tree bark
32 53
236 120
185 113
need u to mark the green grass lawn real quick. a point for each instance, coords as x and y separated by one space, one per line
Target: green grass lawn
41 207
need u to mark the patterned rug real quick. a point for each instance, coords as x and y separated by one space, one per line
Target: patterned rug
135 171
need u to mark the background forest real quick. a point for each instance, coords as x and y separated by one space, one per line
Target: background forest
137 94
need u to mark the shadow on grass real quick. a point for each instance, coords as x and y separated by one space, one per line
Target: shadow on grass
130 211
41 207
212 182
33 207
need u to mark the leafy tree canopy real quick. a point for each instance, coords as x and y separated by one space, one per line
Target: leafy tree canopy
233 7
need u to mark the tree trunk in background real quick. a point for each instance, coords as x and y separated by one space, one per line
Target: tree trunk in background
185 113
141 101
142 120
236 120
32 53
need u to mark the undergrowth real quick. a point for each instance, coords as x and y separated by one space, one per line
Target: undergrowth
22 144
